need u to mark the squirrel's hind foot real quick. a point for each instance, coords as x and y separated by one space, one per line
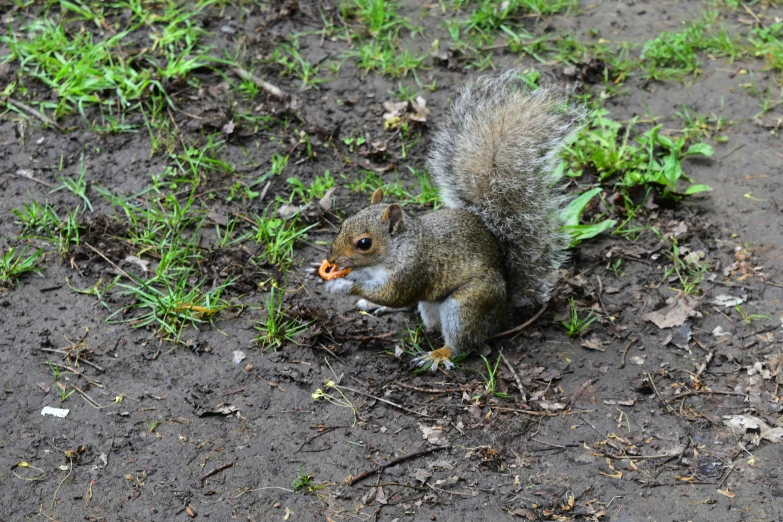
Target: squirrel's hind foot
441 356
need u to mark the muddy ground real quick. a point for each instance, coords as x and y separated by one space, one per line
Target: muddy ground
596 440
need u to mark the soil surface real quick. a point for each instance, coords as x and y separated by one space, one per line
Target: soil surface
624 424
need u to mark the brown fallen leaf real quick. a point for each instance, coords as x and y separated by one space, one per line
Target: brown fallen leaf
326 202
727 492
679 309
594 343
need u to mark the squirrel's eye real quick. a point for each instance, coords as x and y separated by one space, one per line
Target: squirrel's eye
364 243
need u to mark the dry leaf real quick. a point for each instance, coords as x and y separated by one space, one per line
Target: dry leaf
675 314
435 435
594 343
720 332
754 426
551 405
141 263
326 202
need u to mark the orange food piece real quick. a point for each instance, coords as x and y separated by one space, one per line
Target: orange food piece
329 271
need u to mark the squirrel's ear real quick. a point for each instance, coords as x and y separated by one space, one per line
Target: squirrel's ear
393 217
377 196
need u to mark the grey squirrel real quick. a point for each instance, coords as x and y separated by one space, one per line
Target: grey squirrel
497 242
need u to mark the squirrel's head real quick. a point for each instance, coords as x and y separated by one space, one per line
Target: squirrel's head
365 238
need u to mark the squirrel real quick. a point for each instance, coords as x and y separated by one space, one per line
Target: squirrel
497 241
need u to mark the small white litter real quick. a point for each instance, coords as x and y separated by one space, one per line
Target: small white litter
239 356
55 412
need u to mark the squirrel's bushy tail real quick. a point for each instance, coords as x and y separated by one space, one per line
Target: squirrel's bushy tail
495 156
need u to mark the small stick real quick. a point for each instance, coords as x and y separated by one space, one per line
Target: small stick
216 470
430 390
751 13
516 376
264 191
639 457
123 272
522 327
705 392
390 403
266 86
81 360
32 112
600 300
555 445
735 149
729 319
31 178
77 372
625 352
655 389
705 364
321 346
351 480
87 397
324 431
240 390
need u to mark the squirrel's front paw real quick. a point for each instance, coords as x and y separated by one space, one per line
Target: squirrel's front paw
340 286
436 357
375 309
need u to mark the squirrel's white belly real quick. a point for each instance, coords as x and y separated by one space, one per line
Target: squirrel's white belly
371 277
430 315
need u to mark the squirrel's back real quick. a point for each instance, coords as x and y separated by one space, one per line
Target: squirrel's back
495 156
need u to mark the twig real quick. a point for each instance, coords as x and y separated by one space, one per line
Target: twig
625 352
351 480
731 470
705 364
390 403
558 446
751 13
705 392
758 332
233 392
522 327
26 175
264 191
66 354
516 376
89 399
77 372
729 319
216 471
735 149
324 431
600 300
640 457
123 272
33 112
275 91
655 389
430 390
321 346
